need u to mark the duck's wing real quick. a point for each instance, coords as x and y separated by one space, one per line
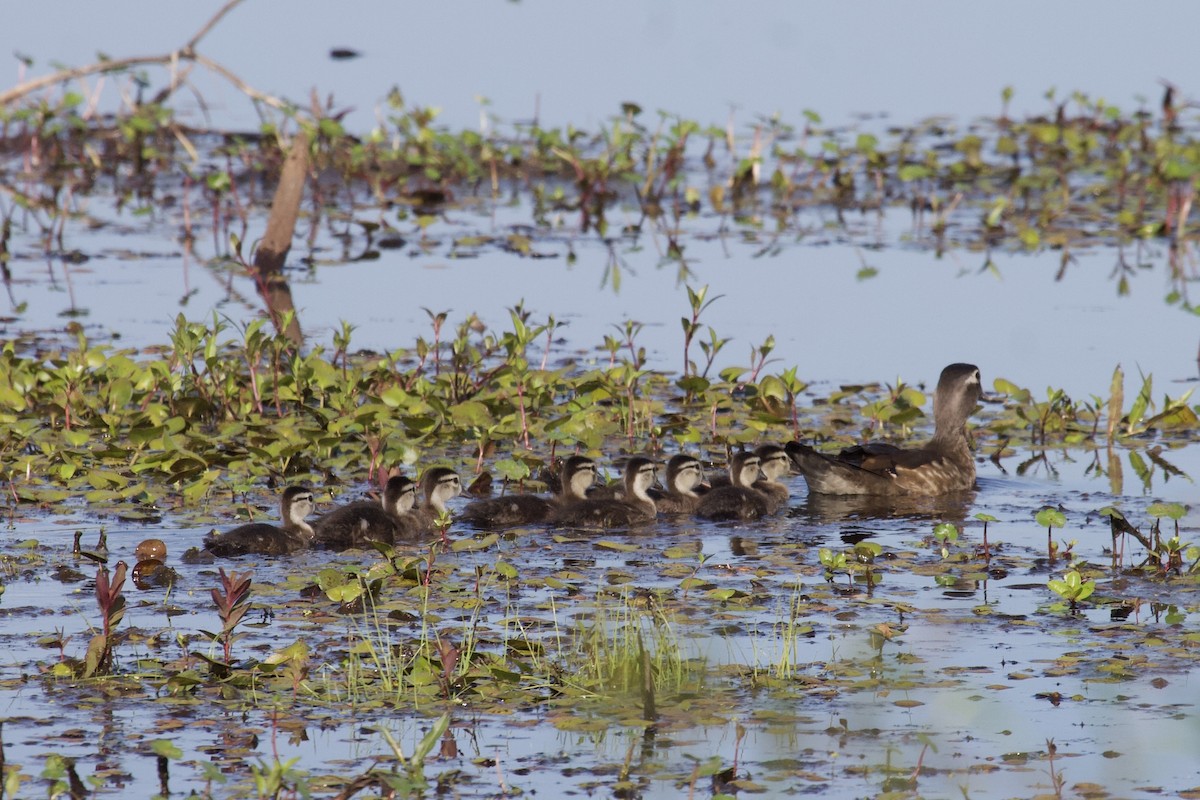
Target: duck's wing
503 512
732 503
355 524
862 469
254 538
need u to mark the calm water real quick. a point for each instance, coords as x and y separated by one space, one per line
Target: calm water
573 63
916 315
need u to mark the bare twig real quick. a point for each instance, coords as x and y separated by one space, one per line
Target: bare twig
172 59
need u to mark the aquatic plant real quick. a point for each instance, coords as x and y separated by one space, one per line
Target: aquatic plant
945 534
232 599
985 518
1052 518
1072 588
111 600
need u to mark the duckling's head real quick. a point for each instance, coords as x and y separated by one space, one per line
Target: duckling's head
399 496
578 475
296 504
773 460
640 475
744 469
440 484
684 474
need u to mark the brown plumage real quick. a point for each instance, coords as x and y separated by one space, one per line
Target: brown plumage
774 463
438 485
942 466
291 535
635 506
684 475
576 475
364 522
737 499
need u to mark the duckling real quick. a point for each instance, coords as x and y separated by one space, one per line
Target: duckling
361 523
575 476
292 535
684 476
438 484
774 463
942 466
737 499
633 507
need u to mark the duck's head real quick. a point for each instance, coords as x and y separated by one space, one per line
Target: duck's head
640 475
774 461
296 504
958 392
578 475
400 495
440 484
744 469
684 474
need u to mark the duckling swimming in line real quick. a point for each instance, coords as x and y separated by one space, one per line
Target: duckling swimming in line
685 474
738 499
361 523
576 475
292 535
438 485
635 506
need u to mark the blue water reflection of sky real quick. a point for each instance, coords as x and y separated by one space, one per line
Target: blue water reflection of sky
577 61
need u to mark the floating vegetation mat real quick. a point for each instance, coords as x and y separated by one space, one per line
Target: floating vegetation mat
1029 637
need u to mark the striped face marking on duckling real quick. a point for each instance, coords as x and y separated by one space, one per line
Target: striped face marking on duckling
640 475
579 475
774 462
684 474
441 484
407 500
744 469
297 504
400 496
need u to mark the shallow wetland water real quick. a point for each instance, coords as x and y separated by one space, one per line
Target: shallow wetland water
838 649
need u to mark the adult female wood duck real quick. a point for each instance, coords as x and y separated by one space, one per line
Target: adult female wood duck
364 522
633 507
438 485
943 466
737 499
292 535
684 476
576 475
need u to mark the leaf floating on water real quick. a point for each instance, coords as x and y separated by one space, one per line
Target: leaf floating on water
472 544
623 547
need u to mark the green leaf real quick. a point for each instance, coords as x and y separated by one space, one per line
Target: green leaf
430 739
622 547
11 398
394 397
165 748
1051 518
472 544
1169 510
946 531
